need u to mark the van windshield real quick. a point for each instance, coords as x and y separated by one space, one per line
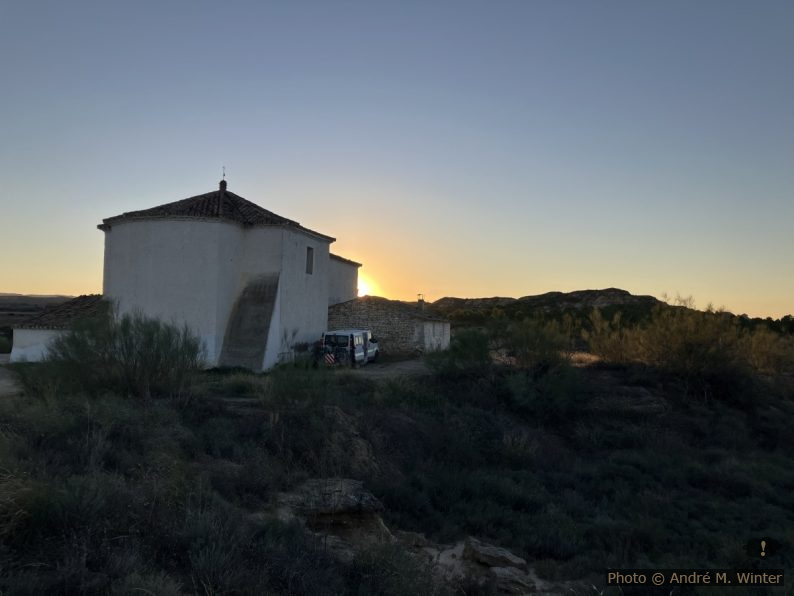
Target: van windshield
336 341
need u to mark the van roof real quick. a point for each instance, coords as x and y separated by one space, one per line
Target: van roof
346 331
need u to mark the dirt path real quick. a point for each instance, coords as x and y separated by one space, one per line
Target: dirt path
8 382
392 370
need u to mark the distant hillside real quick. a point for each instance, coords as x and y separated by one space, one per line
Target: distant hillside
576 307
15 308
23 301
577 300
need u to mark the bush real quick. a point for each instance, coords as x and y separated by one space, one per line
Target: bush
768 352
132 355
608 339
708 352
537 345
553 397
468 354
389 569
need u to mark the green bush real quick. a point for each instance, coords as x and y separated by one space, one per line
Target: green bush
768 352
608 339
554 397
469 354
709 353
388 569
537 345
132 355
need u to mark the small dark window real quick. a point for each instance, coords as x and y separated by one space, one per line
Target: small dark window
309 260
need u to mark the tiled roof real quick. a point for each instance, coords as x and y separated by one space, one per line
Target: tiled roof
218 204
65 314
344 260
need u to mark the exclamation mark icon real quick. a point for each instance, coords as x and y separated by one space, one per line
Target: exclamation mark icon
763 546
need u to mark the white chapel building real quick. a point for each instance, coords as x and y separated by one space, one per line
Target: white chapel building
251 284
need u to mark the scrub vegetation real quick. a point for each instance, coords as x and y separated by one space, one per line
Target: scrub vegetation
671 452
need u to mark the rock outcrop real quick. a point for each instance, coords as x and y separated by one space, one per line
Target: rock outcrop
490 555
346 519
474 562
338 511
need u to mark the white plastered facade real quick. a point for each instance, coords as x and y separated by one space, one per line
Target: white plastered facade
194 271
30 345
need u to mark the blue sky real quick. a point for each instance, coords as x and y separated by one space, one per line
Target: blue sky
456 148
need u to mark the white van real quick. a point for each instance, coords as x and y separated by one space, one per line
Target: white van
337 344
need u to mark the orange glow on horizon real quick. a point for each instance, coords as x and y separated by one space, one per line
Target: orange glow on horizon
367 286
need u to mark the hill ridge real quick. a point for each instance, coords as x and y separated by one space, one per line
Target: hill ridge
576 299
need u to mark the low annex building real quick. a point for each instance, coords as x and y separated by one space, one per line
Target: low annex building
399 327
32 336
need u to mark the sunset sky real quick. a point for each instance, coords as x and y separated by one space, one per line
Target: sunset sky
455 148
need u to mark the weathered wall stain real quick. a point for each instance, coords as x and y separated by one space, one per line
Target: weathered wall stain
249 323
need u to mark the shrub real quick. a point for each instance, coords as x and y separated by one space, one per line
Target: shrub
13 491
133 355
709 352
389 569
553 397
216 538
468 354
768 352
292 384
608 339
702 349
537 345
238 383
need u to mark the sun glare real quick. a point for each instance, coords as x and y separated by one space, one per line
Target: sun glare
366 287
363 288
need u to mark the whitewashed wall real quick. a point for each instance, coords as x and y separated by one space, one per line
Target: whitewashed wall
262 253
171 269
303 296
192 271
343 281
30 345
436 335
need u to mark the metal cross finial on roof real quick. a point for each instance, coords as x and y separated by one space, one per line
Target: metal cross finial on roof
224 172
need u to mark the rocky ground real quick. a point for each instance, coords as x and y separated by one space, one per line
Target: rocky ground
346 518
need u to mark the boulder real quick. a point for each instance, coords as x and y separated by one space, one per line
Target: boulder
330 496
411 539
510 580
490 555
337 510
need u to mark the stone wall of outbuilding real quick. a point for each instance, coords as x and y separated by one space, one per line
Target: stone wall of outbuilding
398 327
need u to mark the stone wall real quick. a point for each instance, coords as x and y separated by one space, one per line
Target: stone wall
397 327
